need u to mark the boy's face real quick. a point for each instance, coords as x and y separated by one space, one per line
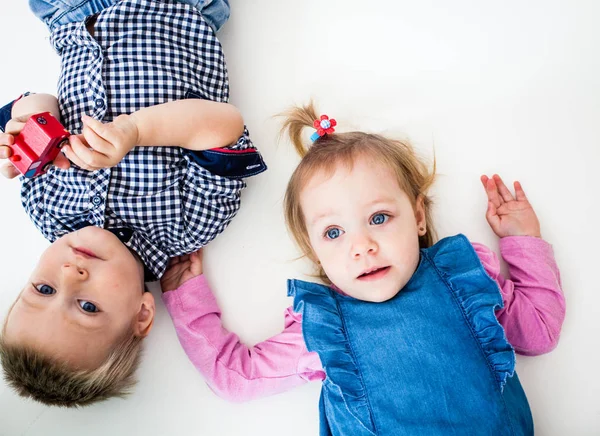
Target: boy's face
85 294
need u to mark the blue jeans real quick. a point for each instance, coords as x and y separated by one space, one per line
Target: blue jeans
58 12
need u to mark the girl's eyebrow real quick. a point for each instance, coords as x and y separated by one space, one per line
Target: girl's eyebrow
321 216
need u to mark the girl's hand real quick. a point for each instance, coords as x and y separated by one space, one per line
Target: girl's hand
508 215
180 270
102 145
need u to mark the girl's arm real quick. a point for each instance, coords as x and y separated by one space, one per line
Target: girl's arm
534 305
233 370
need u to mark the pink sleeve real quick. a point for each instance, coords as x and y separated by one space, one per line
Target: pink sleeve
534 305
231 369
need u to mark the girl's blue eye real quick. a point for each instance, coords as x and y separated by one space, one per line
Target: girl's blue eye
379 218
87 306
333 233
45 289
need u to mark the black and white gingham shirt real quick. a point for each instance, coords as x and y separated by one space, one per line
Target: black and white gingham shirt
159 200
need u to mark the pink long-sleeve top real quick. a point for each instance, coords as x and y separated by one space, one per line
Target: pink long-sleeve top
533 313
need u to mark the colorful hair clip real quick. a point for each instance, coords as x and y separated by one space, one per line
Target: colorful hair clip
324 125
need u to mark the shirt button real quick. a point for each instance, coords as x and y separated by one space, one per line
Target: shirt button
99 103
96 53
96 200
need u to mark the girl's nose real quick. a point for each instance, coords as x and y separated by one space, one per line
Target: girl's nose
362 245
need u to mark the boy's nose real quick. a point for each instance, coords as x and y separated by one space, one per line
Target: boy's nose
74 273
362 245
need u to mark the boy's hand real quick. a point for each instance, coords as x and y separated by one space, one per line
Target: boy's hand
180 270
13 128
102 145
7 169
508 215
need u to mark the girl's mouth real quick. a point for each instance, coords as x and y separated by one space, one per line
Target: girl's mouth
374 274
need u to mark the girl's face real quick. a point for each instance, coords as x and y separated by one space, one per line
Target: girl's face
363 229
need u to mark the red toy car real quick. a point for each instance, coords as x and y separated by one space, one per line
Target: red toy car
38 144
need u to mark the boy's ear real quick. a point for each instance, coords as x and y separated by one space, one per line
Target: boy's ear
420 215
145 317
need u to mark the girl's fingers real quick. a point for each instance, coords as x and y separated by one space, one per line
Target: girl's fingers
492 192
504 192
492 216
519 193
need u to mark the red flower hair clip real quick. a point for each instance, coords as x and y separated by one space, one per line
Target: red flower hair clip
324 125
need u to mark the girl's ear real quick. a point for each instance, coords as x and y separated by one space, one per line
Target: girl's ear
145 317
420 215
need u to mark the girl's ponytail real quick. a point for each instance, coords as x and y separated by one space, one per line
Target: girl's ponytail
296 119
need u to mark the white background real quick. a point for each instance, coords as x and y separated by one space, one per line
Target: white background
510 87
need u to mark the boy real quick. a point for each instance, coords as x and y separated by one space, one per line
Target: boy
143 187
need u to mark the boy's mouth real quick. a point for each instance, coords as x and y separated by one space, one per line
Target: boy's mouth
85 253
374 273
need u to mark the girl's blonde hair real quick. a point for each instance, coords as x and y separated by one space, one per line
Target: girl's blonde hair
330 151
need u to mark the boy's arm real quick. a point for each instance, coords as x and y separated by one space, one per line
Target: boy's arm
194 124
31 104
534 305
231 369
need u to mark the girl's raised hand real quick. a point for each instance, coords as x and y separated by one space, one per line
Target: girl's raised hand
508 215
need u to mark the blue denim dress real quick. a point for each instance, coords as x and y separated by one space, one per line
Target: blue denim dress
433 360
58 12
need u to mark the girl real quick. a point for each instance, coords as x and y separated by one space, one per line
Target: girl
407 336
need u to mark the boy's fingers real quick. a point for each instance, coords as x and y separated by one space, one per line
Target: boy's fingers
102 130
5 152
519 193
8 170
14 126
73 157
504 192
62 162
96 141
6 139
90 158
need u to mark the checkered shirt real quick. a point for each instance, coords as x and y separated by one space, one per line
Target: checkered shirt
159 201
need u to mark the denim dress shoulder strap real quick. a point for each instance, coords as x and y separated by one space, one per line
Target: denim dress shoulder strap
433 360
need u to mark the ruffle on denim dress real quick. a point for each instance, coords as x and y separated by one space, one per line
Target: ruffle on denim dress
320 308
479 304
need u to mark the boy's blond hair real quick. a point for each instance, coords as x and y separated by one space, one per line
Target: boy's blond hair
34 375
330 151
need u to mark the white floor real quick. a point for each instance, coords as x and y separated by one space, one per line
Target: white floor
510 87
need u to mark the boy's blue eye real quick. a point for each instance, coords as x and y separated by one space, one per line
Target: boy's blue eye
333 233
45 289
379 218
87 306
